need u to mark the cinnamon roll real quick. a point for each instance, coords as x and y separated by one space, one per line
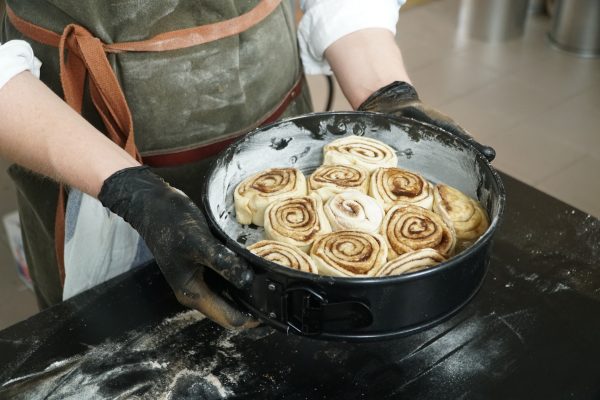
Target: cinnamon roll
409 228
362 151
296 221
463 213
255 193
392 186
411 262
354 210
328 180
284 254
349 253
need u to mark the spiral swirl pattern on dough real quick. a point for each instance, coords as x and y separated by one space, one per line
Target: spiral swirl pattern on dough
328 180
392 186
411 262
463 213
255 193
354 210
284 254
409 228
296 221
349 253
362 151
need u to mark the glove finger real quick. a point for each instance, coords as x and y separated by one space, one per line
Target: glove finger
230 266
199 296
423 113
445 122
428 115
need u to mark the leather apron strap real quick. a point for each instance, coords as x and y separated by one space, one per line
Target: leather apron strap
84 56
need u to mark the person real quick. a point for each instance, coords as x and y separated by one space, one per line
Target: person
188 77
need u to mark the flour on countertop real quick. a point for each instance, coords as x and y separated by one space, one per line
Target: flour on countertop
185 355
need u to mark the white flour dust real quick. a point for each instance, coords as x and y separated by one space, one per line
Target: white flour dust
474 346
184 356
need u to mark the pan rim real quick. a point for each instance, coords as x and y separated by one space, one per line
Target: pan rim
253 259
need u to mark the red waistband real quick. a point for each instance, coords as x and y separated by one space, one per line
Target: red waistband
199 153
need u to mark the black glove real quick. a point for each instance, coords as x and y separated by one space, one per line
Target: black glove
176 233
401 99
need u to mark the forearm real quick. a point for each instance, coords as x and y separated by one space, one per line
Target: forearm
365 61
41 132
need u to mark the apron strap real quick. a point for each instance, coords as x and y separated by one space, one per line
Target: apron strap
84 56
178 39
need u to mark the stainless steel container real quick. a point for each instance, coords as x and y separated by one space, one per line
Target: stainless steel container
576 27
536 7
494 20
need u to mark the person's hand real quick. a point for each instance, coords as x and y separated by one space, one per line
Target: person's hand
401 99
176 233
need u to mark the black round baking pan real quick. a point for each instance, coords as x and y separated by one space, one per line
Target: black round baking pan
355 309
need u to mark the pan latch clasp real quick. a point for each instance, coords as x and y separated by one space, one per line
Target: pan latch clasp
310 313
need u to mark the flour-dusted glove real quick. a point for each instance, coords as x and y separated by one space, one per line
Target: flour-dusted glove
401 99
178 236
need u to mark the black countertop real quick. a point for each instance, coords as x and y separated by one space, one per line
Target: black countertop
533 331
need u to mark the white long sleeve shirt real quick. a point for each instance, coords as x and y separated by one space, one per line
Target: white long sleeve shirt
324 22
17 56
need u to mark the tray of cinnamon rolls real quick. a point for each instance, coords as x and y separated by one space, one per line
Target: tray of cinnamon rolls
358 226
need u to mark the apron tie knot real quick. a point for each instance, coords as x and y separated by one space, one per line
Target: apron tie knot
84 56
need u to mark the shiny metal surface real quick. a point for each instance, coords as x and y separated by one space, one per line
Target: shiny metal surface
494 20
576 27
536 7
